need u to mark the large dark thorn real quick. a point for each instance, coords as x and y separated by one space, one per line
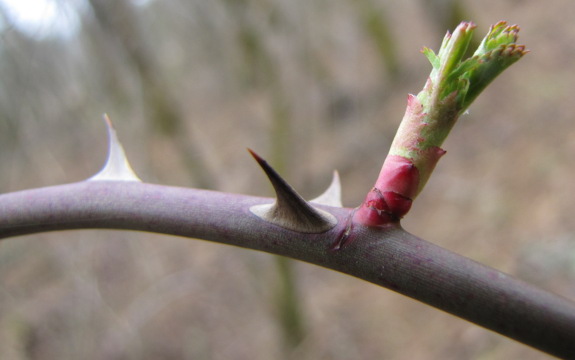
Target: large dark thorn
290 210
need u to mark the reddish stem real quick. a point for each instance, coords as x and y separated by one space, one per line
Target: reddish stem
391 197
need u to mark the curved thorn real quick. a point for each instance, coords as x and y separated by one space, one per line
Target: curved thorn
290 210
332 195
117 166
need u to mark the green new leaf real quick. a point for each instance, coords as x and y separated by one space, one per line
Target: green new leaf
453 84
468 77
496 52
433 59
452 51
499 34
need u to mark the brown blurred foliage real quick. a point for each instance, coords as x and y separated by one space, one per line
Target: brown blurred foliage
317 85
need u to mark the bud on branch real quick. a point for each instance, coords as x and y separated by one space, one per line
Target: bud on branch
452 86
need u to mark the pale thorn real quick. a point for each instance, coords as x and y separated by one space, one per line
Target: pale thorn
117 167
332 195
290 210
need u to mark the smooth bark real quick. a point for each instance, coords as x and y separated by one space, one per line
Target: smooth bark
388 256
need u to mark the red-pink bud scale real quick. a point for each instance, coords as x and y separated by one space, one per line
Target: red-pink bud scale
404 172
392 195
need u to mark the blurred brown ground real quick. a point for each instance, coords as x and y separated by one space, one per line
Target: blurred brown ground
231 72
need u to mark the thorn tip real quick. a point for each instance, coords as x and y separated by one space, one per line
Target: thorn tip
117 166
290 210
332 195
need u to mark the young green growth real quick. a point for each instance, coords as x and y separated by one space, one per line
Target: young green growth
452 86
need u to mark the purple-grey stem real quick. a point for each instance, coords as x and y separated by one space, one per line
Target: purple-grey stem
389 257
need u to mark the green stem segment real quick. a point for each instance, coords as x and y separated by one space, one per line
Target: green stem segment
452 86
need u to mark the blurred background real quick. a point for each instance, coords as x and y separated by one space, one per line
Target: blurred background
313 86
